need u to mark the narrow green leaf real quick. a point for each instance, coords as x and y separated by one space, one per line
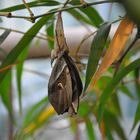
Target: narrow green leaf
108 132
112 121
138 134
34 112
74 2
4 35
36 3
19 70
137 116
50 33
89 128
50 2
116 105
5 89
79 16
84 109
137 85
126 91
111 86
93 15
22 45
97 46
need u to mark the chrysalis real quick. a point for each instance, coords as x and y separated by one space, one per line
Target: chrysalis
60 86
65 86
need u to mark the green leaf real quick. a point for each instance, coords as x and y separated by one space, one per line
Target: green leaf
4 35
50 33
79 16
34 112
93 15
89 128
36 3
5 89
19 70
116 105
108 132
138 134
84 109
137 85
111 120
126 91
97 46
111 86
137 116
22 45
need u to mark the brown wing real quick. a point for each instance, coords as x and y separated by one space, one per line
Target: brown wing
60 87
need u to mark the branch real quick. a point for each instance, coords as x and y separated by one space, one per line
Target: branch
46 37
30 11
9 15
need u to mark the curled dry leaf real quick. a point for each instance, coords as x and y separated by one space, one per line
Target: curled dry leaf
65 85
116 46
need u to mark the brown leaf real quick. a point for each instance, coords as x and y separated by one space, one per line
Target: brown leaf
60 37
8 67
116 46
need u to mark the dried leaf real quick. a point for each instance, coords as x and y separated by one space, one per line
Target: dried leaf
60 37
8 67
117 45
48 112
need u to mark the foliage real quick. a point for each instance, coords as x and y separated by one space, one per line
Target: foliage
100 103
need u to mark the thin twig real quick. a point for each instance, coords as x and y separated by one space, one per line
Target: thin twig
127 50
118 63
6 14
73 7
21 32
43 75
84 39
58 10
29 10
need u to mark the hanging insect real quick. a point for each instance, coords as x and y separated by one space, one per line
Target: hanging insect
65 86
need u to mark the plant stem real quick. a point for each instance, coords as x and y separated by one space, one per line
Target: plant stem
20 32
127 50
73 7
118 63
55 11
30 11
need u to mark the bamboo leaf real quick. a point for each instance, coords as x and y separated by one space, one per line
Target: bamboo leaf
4 35
79 16
41 119
50 33
93 15
97 46
137 116
36 3
112 121
126 91
89 128
35 111
22 45
116 46
114 82
19 70
137 84
138 134
5 89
